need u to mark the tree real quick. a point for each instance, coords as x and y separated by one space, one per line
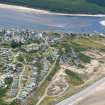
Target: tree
15 44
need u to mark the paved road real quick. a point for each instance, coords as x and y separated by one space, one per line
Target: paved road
91 89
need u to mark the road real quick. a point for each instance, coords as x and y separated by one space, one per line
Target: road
20 77
88 91
44 95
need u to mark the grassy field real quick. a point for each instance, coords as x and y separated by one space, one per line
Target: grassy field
74 78
65 6
2 94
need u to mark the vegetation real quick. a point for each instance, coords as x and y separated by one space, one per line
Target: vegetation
68 51
98 2
84 58
15 44
88 43
8 80
55 69
2 94
66 6
74 78
20 58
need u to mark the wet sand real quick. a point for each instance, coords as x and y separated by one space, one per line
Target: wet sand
96 98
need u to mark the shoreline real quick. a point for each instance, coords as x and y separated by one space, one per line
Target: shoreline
27 9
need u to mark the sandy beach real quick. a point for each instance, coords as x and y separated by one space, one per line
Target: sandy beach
98 98
23 9
26 9
95 98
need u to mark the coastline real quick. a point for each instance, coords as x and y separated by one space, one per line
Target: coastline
27 9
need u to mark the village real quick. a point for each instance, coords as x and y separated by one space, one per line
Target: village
24 58
30 59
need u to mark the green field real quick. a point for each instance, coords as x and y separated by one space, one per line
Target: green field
74 79
2 94
65 6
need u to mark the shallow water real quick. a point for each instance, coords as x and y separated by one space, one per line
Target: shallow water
10 18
